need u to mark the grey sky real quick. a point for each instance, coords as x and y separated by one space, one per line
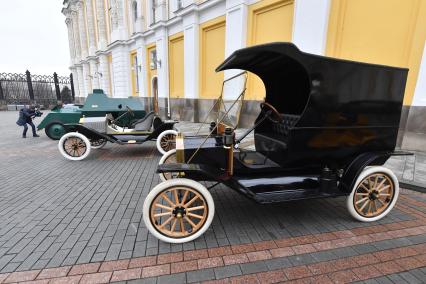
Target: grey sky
33 36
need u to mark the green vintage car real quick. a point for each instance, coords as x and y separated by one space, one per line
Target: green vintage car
97 104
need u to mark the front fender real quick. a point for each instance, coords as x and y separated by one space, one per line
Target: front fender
163 127
88 132
195 171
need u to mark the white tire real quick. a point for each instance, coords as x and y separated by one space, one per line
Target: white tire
74 146
183 206
169 157
98 145
375 185
166 141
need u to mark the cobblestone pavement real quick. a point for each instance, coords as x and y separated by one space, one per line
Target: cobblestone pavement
70 222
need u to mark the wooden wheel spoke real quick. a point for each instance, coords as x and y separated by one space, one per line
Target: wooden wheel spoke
190 222
173 228
381 183
195 208
167 199
185 195
375 181
191 201
182 228
385 194
166 222
195 215
361 200
363 206
164 206
163 214
362 193
383 188
175 194
363 187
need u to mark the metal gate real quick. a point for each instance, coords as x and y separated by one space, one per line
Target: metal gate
28 89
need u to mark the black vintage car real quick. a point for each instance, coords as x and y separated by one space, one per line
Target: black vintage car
325 129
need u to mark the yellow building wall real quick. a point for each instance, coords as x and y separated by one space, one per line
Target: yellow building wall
390 32
268 21
212 53
176 62
133 73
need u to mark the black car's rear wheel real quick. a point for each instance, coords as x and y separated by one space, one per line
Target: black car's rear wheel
374 195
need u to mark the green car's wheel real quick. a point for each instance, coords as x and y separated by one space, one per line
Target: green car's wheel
55 130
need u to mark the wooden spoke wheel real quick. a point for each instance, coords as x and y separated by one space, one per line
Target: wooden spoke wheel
98 143
374 194
74 146
169 158
178 211
166 141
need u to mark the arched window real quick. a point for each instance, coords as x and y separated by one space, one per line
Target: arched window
135 11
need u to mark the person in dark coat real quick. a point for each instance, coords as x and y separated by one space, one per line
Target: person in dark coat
26 117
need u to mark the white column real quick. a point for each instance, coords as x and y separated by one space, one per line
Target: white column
161 11
86 79
310 25
104 74
162 48
118 21
236 38
82 30
68 21
102 31
91 27
419 98
80 80
142 68
76 36
191 55
94 73
139 24
121 71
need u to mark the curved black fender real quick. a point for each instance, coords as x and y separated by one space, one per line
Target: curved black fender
351 173
162 127
88 132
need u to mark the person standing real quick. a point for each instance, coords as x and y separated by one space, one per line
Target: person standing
26 117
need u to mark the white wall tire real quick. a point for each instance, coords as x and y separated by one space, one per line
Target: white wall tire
169 157
375 185
170 231
166 141
98 144
74 146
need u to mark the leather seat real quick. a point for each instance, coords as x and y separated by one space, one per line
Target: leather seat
144 124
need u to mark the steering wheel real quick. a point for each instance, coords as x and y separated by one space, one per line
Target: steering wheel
275 116
130 111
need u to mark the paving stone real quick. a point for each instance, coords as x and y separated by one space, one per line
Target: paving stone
200 275
227 271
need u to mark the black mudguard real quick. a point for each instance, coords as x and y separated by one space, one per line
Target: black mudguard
88 132
359 163
163 127
198 172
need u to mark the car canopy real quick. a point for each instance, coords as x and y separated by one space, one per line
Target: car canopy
324 91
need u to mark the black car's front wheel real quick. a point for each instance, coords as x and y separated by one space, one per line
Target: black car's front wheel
178 210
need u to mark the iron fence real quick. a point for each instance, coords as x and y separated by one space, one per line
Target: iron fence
28 89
